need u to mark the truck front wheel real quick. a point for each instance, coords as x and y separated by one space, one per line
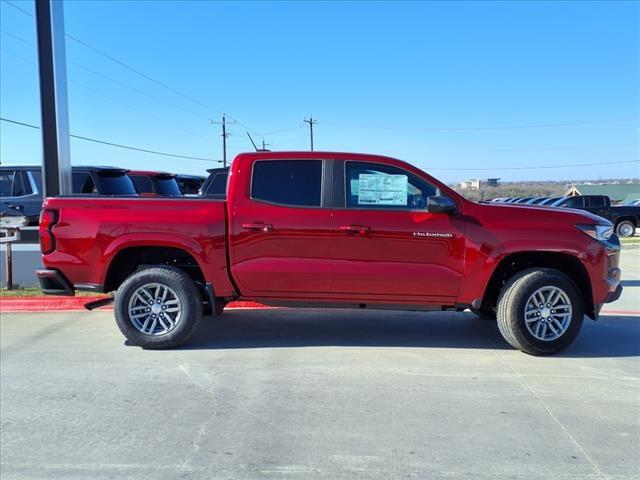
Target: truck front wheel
158 307
540 311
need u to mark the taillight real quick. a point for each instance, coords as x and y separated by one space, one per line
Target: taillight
48 219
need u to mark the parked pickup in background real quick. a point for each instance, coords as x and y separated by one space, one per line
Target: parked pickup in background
332 230
21 187
625 218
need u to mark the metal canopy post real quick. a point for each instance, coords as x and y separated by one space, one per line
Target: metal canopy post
56 162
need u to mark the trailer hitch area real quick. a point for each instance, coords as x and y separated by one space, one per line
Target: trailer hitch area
99 303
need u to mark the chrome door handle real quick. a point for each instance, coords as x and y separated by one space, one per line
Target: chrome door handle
355 228
258 226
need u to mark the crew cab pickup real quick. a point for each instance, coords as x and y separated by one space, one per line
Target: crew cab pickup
331 230
625 218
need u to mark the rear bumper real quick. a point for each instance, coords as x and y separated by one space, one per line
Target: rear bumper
53 282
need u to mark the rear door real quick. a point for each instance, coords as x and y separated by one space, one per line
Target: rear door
387 245
598 205
280 228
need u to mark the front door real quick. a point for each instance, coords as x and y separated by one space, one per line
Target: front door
387 245
281 229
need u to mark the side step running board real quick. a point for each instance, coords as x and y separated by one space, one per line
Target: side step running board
98 303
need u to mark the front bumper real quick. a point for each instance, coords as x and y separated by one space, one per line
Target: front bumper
53 282
614 295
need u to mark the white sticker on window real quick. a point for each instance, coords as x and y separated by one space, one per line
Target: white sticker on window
355 188
382 189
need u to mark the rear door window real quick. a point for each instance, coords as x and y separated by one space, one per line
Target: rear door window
288 182
573 202
20 188
597 202
6 183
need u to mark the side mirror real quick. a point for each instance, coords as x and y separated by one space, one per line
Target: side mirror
438 204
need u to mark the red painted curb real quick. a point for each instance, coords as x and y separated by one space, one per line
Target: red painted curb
62 303
620 312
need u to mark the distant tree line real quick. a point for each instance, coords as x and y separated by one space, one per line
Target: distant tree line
530 189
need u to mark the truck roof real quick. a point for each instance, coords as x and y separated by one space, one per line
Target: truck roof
152 173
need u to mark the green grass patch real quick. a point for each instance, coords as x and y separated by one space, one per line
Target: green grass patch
630 240
36 292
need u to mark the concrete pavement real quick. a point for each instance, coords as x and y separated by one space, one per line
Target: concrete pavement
305 394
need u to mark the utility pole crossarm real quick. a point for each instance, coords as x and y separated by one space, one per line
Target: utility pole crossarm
224 136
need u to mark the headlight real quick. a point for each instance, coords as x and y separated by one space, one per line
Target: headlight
597 232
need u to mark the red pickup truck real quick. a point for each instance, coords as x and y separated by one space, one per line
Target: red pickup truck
332 230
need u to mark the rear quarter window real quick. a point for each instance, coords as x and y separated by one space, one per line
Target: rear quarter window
288 182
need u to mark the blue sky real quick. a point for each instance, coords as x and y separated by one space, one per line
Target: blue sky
451 87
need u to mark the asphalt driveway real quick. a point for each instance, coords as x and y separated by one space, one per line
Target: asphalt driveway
307 394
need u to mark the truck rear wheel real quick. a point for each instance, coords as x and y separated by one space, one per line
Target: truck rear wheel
540 311
626 228
158 307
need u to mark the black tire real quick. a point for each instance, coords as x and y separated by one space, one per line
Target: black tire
625 228
190 303
488 314
511 310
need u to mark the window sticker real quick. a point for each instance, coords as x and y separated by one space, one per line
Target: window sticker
355 187
382 189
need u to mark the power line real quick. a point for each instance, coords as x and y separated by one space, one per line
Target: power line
136 71
472 129
128 147
118 145
117 101
18 8
16 37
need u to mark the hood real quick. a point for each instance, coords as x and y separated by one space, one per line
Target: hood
534 213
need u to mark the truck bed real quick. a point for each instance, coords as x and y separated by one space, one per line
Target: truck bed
90 232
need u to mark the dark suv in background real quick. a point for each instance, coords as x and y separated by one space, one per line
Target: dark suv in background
216 184
21 187
151 184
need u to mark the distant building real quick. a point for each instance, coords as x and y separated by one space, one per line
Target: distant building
477 184
617 192
471 184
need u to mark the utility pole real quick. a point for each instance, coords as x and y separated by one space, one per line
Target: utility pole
224 137
311 123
